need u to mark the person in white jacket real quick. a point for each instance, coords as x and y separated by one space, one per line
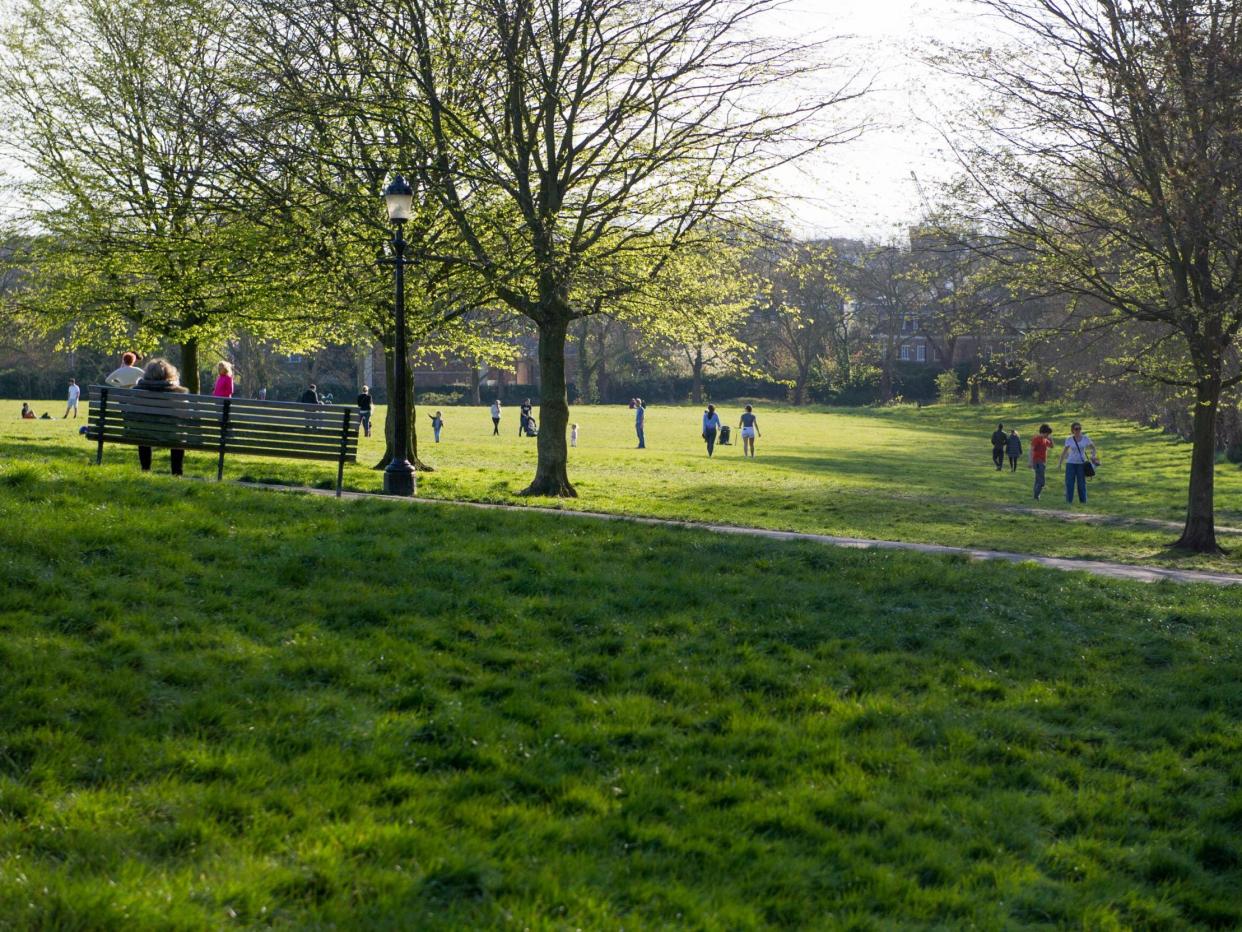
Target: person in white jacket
128 375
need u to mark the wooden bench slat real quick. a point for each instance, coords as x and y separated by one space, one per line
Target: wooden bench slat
284 430
322 456
160 424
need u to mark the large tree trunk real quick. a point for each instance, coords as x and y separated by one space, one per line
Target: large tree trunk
551 476
799 392
475 397
886 375
390 424
696 385
189 365
1199 534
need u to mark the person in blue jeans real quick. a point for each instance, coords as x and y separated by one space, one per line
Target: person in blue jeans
640 419
711 424
437 423
1078 449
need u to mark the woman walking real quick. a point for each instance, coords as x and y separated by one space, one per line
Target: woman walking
496 418
750 430
711 424
1076 458
1013 447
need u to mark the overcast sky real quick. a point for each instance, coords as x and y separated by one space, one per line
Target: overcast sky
864 188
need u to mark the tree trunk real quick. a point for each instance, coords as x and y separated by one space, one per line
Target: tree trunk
584 368
390 425
189 366
474 383
551 476
799 392
696 385
1199 534
886 378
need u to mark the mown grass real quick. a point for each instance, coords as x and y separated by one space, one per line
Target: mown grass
228 708
910 474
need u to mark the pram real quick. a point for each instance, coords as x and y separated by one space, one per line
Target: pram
725 432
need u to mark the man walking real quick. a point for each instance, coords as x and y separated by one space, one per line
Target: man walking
640 418
524 417
74 394
999 439
365 402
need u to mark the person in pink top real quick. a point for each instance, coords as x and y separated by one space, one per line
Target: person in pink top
224 381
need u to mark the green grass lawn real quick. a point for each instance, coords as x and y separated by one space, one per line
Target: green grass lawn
227 708
900 474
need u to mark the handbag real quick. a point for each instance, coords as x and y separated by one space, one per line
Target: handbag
1088 468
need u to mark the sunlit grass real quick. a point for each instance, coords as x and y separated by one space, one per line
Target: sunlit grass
921 475
225 708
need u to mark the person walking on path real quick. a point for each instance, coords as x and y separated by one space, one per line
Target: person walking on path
224 380
437 421
999 439
711 424
524 418
127 375
71 403
1078 452
162 376
1013 447
750 430
1041 443
365 404
496 418
640 422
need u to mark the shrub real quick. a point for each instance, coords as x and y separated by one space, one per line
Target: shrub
1233 452
948 386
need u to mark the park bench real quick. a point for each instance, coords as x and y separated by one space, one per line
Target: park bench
283 429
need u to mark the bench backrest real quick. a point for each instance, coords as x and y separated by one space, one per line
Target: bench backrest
285 429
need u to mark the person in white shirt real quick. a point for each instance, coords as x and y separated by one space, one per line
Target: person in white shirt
573 435
74 394
496 418
1078 449
127 375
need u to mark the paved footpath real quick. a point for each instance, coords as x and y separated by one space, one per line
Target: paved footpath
1094 567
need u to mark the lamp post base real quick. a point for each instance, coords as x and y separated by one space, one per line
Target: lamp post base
399 478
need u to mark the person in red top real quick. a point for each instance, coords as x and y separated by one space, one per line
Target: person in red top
224 380
1041 443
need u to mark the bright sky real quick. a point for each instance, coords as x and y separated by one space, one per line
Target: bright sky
864 188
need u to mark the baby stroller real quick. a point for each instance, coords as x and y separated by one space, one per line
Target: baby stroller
725 433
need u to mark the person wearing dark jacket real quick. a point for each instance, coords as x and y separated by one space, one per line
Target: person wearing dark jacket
310 396
1013 447
159 375
364 409
999 439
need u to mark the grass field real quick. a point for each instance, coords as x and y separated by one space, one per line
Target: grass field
225 708
921 475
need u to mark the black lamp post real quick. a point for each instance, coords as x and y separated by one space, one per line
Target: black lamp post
399 474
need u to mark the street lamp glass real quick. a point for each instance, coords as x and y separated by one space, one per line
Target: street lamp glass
399 198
